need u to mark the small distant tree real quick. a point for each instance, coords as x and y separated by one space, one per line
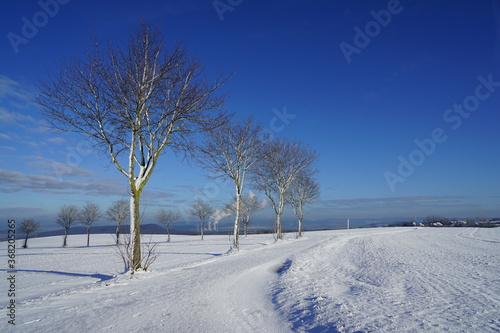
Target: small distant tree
303 189
118 212
67 215
167 217
203 210
27 227
250 203
88 215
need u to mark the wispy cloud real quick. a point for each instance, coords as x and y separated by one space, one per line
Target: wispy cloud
52 167
8 148
9 136
13 117
56 140
394 206
15 181
412 200
11 88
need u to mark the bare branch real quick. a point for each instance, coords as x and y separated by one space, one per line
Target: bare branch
67 215
118 212
167 217
202 210
27 227
304 189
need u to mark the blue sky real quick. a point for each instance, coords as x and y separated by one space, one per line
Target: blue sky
400 99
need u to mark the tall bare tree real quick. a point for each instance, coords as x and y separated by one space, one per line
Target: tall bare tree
167 217
230 152
134 100
203 210
118 212
88 215
27 227
67 215
304 189
275 174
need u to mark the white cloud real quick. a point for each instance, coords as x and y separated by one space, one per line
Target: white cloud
9 136
8 148
13 117
54 168
15 181
56 140
13 91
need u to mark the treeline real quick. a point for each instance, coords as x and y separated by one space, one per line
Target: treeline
442 221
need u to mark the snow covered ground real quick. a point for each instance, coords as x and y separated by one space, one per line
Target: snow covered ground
360 280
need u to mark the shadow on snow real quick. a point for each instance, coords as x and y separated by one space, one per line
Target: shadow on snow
100 277
303 319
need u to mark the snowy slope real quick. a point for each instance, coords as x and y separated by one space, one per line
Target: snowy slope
420 280
366 280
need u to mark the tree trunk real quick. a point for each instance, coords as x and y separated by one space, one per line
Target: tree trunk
202 226
281 208
65 237
236 243
25 245
300 216
135 230
88 237
118 235
168 237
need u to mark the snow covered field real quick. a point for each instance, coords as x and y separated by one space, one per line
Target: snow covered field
360 280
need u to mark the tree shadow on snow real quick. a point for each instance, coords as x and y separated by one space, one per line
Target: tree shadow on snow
192 253
100 277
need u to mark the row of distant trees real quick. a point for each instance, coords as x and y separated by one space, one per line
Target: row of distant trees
136 100
68 215
443 221
119 212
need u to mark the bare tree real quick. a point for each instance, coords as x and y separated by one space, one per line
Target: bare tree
166 217
203 210
275 174
133 99
249 204
88 215
230 152
118 212
67 215
303 189
27 227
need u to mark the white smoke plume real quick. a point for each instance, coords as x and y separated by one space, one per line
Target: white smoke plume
218 215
